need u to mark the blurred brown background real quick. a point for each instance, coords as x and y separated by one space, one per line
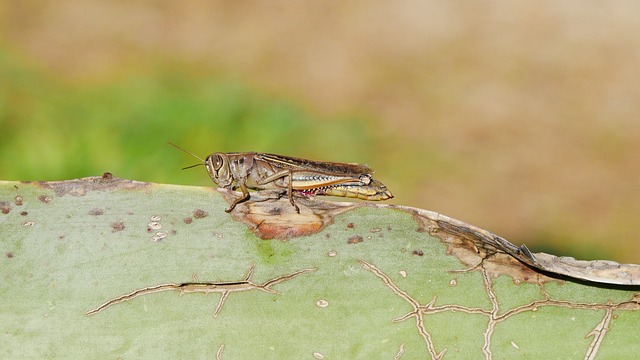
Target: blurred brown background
518 117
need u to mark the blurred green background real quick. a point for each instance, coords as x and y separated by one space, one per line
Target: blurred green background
521 118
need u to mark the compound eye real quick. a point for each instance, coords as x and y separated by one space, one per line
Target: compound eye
217 162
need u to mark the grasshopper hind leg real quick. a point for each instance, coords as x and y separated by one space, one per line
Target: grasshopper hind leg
282 175
291 192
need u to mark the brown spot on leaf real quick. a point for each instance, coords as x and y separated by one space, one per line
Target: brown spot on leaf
9 255
284 229
24 213
355 239
5 207
96 212
417 253
117 226
187 220
45 198
200 214
18 200
107 176
258 213
350 226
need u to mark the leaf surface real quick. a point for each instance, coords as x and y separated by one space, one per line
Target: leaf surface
339 280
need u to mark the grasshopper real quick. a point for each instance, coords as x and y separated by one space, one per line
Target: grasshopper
262 171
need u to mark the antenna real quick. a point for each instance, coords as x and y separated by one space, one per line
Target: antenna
190 153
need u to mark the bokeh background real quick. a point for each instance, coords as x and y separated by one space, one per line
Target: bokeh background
518 117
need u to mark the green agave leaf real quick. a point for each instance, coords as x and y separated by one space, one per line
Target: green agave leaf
338 280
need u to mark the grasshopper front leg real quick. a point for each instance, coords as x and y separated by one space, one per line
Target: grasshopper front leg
245 196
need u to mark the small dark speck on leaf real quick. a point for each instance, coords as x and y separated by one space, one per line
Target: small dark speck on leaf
9 255
107 176
24 213
355 239
117 226
199 214
96 211
350 225
417 252
187 220
421 230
